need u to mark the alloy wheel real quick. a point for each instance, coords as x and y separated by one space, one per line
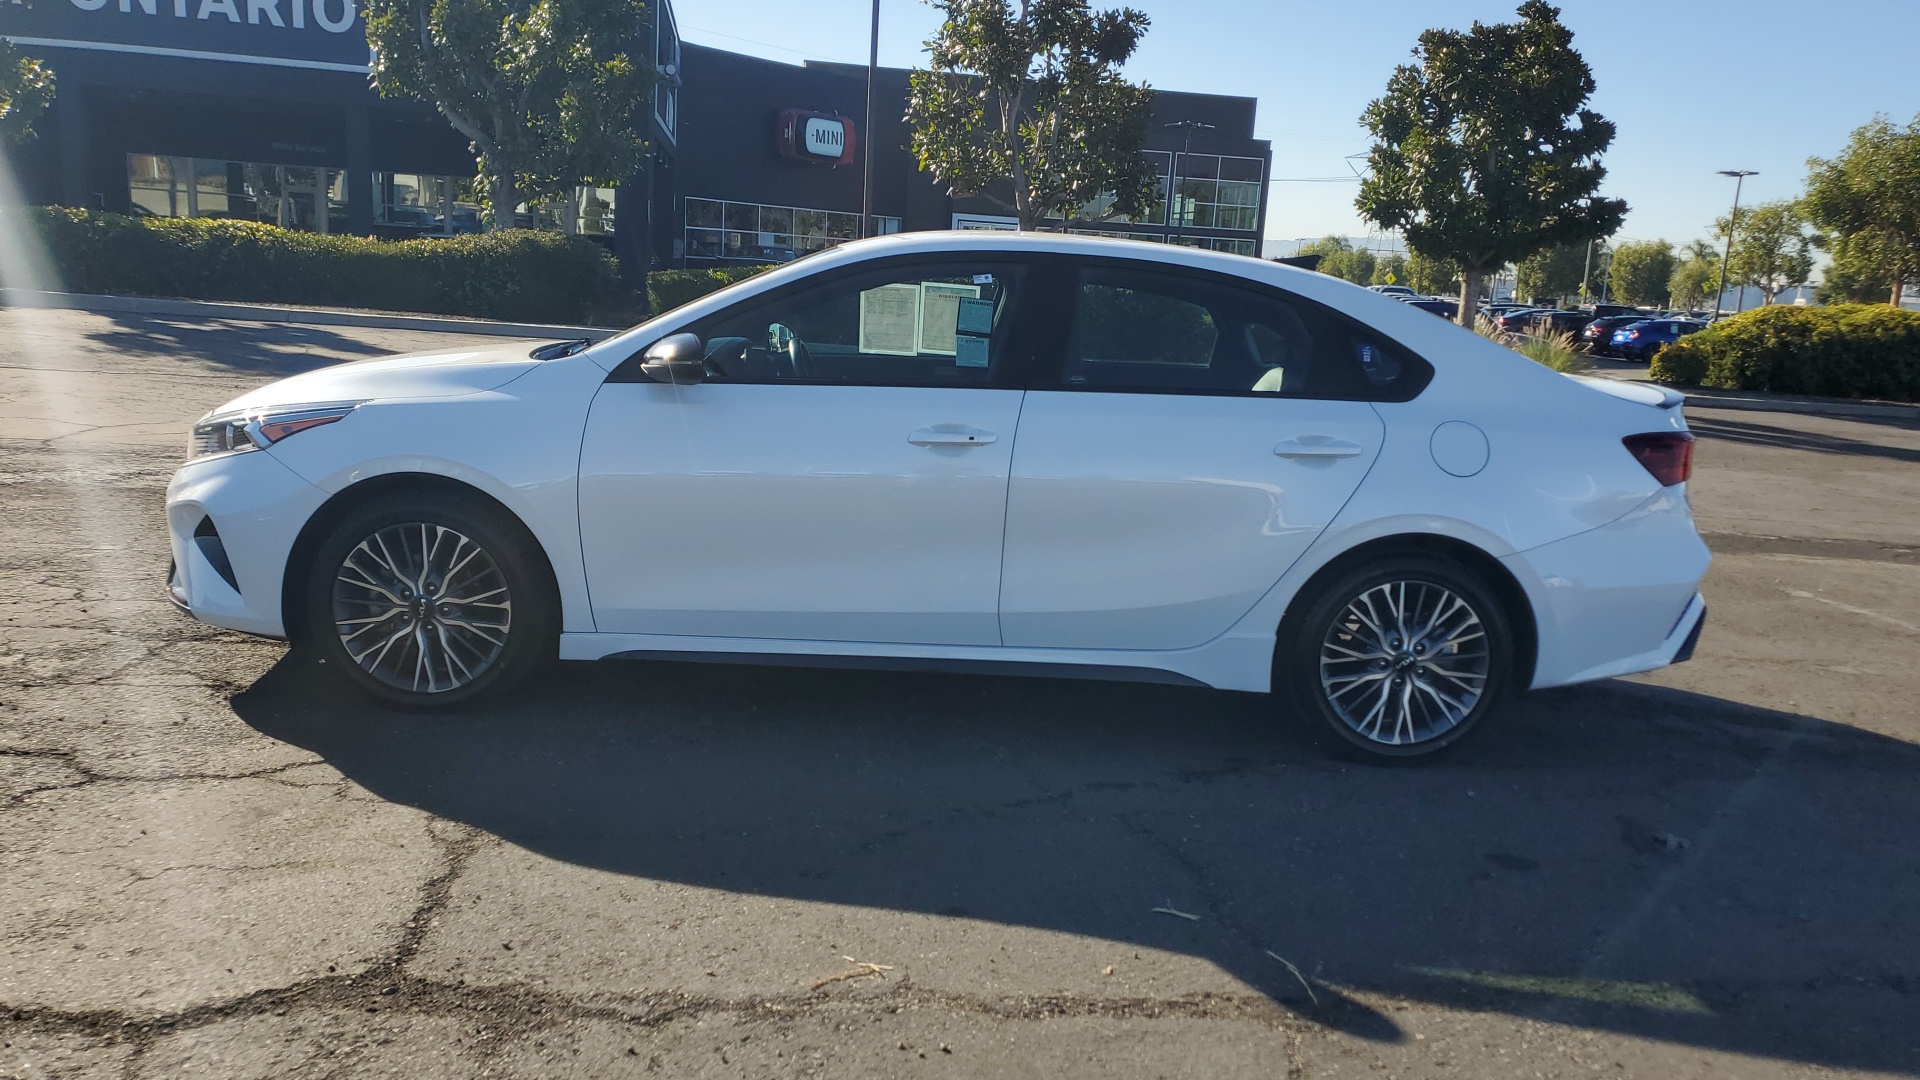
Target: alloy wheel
422 608
1405 662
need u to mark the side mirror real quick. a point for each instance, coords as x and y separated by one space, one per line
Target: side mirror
676 358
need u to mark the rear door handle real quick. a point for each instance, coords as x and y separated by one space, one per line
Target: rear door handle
951 435
1318 446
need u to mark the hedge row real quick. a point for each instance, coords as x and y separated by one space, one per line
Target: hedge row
1850 350
668 289
516 275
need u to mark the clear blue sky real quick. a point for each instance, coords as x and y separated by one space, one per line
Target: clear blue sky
1694 85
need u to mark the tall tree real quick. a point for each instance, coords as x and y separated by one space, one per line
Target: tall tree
1391 270
1434 277
1694 280
1641 272
1554 272
1339 258
1485 152
1857 274
546 90
1772 249
1033 100
1871 195
26 89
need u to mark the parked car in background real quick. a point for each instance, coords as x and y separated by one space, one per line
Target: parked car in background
1395 291
968 450
1515 321
1446 309
1603 310
1597 336
1547 323
1640 340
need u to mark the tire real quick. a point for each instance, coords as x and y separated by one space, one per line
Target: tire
366 620
1347 641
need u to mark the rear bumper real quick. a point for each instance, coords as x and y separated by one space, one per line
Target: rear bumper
1618 599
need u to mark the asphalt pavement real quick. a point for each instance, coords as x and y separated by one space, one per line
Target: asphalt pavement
215 863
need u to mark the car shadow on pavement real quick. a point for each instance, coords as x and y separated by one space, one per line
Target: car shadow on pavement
1616 856
1797 439
277 349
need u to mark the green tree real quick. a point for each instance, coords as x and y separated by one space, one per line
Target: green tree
1554 272
1694 281
1772 251
1871 195
1339 258
1033 99
546 90
1641 272
1485 152
1391 270
1857 275
1433 277
26 89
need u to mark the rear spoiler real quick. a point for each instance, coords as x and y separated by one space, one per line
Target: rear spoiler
1660 397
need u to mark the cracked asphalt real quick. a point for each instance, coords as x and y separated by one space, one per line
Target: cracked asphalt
215 863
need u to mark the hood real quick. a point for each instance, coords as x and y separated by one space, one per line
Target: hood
445 373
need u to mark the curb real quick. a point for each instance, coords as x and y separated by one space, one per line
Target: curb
1697 399
212 309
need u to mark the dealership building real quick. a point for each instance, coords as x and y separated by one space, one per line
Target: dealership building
261 110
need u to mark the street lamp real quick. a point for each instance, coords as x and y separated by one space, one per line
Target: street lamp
866 163
1173 179
1726 261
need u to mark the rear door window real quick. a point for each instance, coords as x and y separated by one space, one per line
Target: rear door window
1154 330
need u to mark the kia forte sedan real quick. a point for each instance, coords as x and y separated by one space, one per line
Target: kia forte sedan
994 452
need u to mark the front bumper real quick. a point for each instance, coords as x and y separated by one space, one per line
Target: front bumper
1618 599
232 522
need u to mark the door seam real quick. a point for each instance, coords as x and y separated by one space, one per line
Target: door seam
1006 509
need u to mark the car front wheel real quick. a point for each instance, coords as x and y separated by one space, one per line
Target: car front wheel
1401 658
428 599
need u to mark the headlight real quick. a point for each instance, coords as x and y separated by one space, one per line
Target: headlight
238 432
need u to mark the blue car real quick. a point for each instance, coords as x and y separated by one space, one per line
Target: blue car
1640 340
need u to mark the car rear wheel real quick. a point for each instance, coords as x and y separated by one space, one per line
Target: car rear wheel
428 600
1401 658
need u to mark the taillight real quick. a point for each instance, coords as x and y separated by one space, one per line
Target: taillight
1668 455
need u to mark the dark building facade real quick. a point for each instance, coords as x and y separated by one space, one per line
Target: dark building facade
261 109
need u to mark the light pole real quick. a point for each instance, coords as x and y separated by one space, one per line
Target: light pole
1174 224
866 163
1587 274
1726 261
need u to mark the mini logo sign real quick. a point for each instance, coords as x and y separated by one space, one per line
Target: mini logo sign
826 138
821 138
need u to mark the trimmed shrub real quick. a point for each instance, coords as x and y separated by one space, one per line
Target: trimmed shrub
516 274
668 289
1849 350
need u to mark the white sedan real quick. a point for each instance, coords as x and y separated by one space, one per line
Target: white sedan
993 452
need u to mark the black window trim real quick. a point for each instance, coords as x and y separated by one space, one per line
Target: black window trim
1016 354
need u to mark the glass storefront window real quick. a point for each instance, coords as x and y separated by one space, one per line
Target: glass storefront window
1218 192
752 232
410 204
290 196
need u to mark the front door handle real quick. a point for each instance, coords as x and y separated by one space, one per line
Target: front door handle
951 435
1318 446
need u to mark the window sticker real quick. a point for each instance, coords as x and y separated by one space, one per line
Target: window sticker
970 352
889 320
976 316
940 316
